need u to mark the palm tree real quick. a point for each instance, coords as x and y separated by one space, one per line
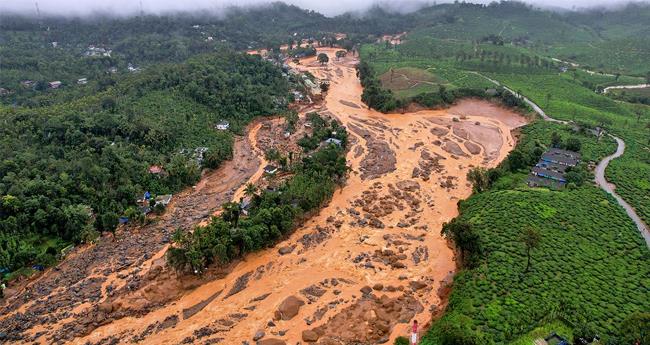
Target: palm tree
250 190
231 213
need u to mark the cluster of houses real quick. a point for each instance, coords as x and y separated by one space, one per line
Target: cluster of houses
197 154
56 84
550 170
147 201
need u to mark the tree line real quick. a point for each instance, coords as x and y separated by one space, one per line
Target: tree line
271 214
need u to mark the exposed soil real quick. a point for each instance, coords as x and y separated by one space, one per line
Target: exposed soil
371 261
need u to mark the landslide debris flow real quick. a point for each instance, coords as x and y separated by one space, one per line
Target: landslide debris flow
361 269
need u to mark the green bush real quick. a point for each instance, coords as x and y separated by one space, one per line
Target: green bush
402 341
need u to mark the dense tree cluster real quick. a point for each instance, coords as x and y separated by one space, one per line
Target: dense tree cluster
71 169
381 99
373 94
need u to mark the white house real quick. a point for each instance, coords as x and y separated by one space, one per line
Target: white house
82 81
334 141
270 169
54 84
223 125
164 199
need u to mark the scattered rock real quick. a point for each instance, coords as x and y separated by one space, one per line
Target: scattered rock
258 335
417 285
286 250
309 336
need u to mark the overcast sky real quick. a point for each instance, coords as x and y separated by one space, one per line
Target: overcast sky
328 7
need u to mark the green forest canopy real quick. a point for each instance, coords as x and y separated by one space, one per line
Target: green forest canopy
72 168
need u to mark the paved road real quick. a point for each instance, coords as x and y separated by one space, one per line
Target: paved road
600 169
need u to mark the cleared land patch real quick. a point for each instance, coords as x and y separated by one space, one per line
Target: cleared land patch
401 80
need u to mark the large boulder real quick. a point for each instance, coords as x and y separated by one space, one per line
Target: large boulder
258 335
289 308
366 290
417 285
285 250
309 336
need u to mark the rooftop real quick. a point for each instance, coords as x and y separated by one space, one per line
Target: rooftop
560 156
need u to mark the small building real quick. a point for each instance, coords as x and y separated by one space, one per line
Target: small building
491 92
133 69
112 70
549 171
554 339
549 174
4 92
155 169
54 84
222 125
310 84
245 206
563 157
270 169
334 141
199 154
27 83
298 96
163 199
82 81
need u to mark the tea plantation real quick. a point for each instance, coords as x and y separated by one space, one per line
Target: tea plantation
591 267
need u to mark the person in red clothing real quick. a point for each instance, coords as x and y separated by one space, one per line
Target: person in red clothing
414 333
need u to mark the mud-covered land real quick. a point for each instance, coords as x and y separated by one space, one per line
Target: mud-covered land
370 262
62 296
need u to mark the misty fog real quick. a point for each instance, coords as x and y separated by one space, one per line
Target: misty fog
330 8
